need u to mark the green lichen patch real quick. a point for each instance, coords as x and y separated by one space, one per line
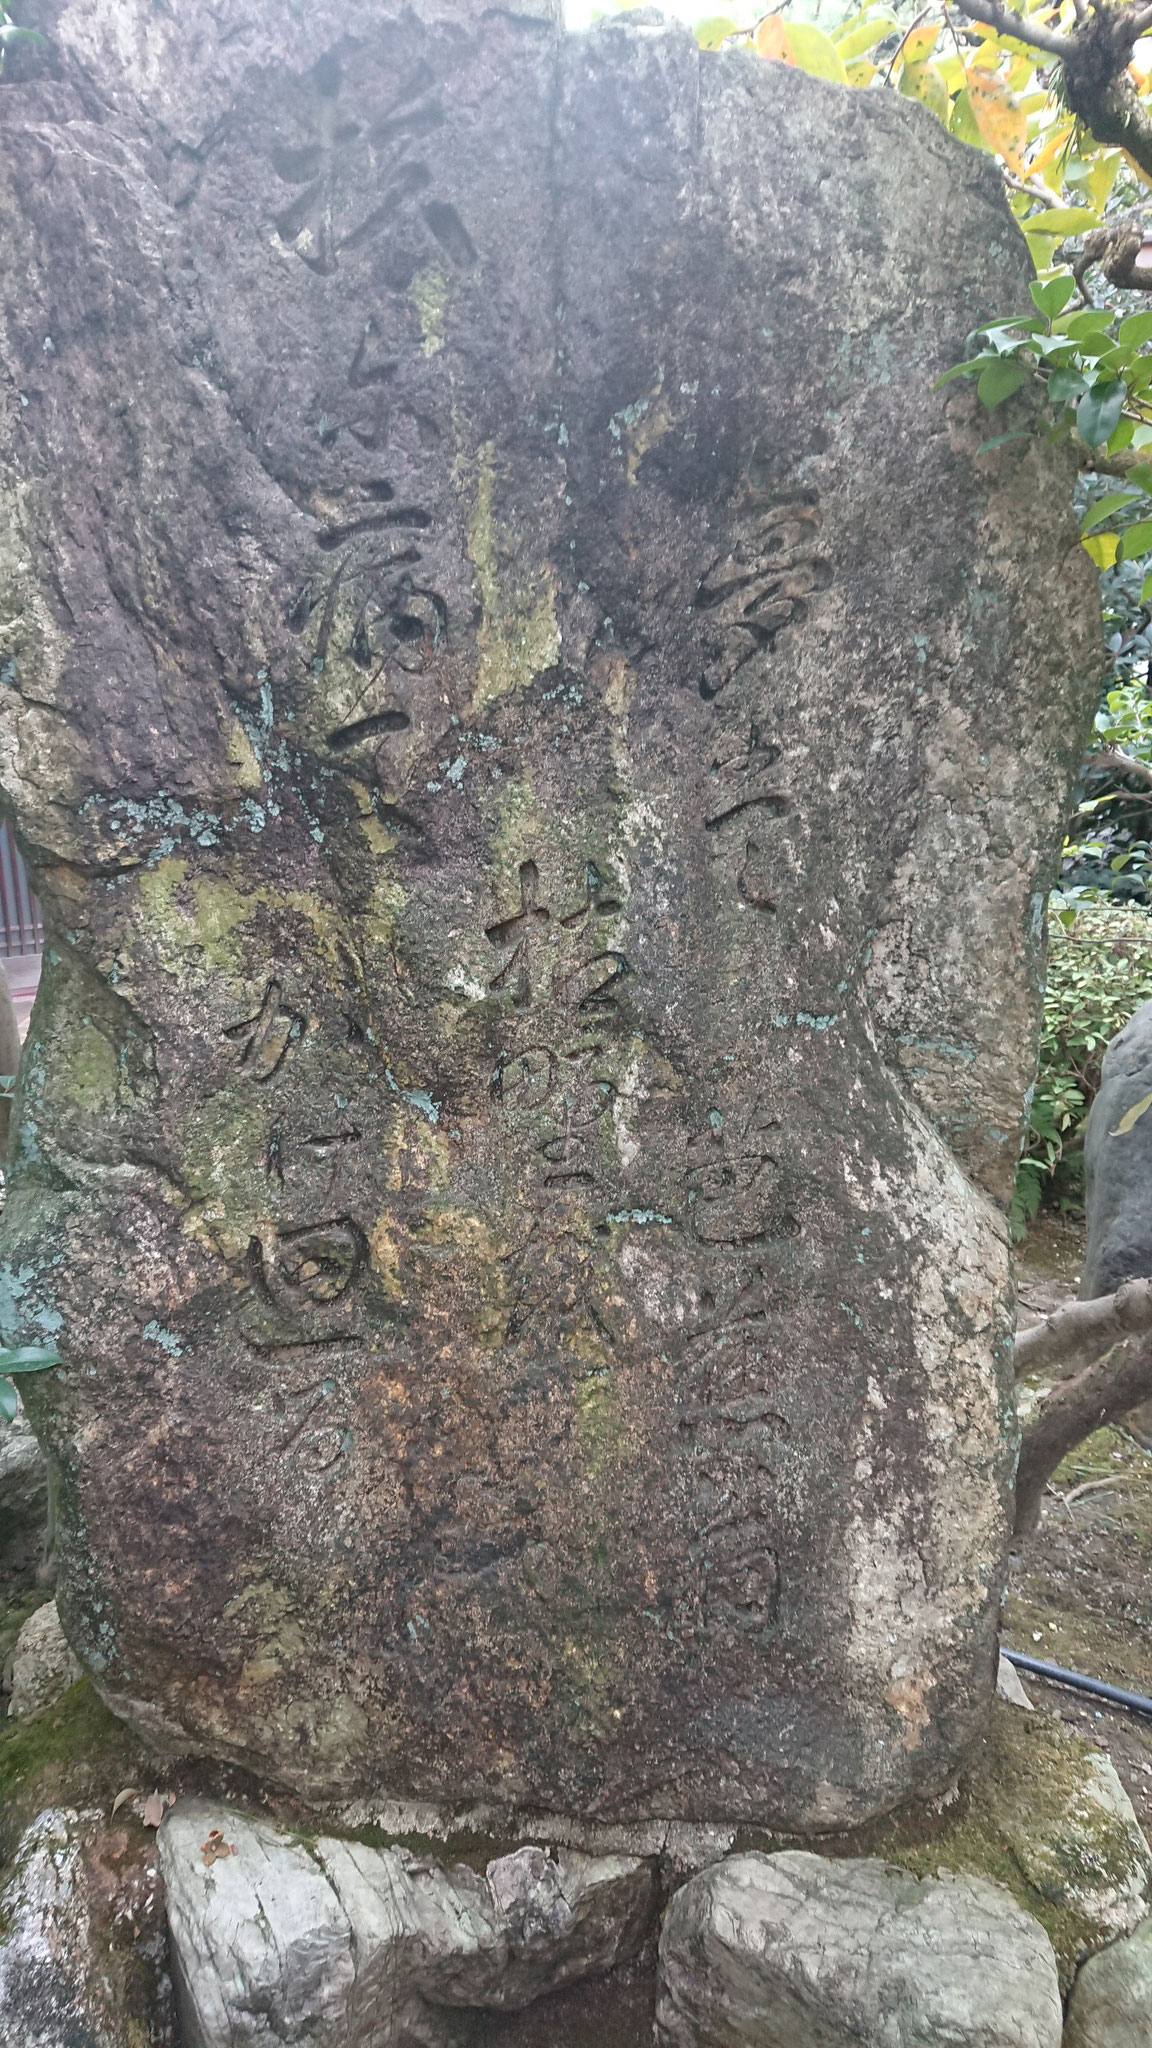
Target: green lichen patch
519 637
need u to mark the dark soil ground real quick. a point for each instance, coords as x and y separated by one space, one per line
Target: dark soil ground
1080 1593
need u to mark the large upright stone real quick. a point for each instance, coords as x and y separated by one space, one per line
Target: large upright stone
544 740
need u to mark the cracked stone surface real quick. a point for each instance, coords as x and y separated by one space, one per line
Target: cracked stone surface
800 1951
542 742
356 1947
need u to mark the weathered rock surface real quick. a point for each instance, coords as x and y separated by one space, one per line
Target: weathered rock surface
1118 1165
1009 1685
1043 1813
349 1945
23 1491
799 1951
82 1947
478 530
44 1664
1111 2003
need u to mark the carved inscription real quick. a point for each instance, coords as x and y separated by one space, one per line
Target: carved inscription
266 1039
734 1439
731 1178
559 1088
762 585
310 1266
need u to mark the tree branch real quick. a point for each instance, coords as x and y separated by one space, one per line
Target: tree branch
1103 1394
1073 1336
1007 22
1110 757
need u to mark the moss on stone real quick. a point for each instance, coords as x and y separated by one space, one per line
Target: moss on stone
72 1753
429 294
518 638
1031 1814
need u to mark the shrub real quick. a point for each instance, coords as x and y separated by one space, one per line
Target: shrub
1099 972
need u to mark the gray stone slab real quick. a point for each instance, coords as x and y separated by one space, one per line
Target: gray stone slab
800 1951
545 741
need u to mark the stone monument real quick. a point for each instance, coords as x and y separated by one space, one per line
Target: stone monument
543 739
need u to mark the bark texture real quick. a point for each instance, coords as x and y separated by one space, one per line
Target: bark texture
544 742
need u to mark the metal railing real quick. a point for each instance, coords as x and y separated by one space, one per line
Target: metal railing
21 925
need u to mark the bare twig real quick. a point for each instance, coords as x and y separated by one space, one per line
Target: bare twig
1075 1493
1032 189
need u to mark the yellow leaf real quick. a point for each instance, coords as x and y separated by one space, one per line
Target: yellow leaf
1055 146
998 116
860 71
1131 1117
815 52
1102 548
1019 72
855 39
1102 177
772 39
923 82
797 42
951 70
919 43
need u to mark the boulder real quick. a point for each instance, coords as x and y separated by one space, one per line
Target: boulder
802 1951
523 1222
336 1942
44 1664
1118 1163
1111 2003
83 1958
1042 1812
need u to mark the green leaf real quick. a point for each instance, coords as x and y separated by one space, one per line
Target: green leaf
1062 220
1120 436
9 1400
1137 541
1052 297
968 369
1146 589
1099 410
815 52
1099 513
1093 320
1135 330
1066 385
29 1358
999 381
710 32
1140 474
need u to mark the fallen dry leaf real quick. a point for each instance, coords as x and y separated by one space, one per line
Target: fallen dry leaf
129 1792
153 1812
216 1847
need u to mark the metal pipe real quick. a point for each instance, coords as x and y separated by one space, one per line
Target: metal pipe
1134 1701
